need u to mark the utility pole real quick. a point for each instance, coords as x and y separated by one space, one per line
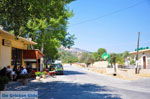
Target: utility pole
137 55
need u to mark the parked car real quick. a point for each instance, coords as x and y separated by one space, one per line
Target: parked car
58 68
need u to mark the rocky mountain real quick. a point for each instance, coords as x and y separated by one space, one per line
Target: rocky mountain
75 51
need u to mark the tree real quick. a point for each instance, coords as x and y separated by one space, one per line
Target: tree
14 14
97 55
120 59
86 58
49 28
45 21
125 54
67 57
113 57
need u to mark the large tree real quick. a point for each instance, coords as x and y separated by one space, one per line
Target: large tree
97 55
86 58
14 14
45 21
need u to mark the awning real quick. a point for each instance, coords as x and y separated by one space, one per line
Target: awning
32 54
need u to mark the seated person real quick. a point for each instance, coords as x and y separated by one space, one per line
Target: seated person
23 71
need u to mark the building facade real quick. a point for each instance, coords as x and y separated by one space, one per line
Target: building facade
144 58
12 48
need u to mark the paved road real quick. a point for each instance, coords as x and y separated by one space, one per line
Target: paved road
79 83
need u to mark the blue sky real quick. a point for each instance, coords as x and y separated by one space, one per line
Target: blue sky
116 32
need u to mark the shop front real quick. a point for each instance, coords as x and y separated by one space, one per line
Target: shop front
32 59
11 49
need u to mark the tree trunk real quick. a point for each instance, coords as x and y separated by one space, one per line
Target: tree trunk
115 68
42 59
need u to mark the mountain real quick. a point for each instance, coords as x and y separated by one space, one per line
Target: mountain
75 51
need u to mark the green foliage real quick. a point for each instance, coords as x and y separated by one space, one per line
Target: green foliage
97 55
3 80
69 40
119 58
42 73
14 14
86 58
45 21
125 54
113 57
38 73
67 57
132 62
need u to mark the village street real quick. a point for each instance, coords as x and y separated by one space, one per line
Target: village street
79 83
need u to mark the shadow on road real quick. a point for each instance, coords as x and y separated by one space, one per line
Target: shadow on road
64 90
69 72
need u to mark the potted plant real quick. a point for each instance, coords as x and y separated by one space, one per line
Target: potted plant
44 74
38 75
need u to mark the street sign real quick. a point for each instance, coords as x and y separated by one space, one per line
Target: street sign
105 56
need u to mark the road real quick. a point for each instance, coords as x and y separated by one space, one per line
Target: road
79 83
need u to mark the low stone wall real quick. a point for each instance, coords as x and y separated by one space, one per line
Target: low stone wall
100 64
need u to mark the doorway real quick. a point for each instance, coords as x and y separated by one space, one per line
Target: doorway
144 62
16 57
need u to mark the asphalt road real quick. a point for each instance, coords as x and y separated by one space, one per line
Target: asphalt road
79 83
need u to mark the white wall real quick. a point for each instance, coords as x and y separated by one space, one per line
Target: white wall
100 64
5 59
147 60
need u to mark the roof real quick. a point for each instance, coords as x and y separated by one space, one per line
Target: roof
141 51
12 36
32 54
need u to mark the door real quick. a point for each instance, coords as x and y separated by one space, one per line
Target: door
16 57
144 62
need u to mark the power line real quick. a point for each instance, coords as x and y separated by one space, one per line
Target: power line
111 13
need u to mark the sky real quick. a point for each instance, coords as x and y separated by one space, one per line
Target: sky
110 24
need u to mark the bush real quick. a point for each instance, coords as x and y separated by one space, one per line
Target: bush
3 80
44 73
38 73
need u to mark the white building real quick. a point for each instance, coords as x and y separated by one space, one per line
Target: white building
144 58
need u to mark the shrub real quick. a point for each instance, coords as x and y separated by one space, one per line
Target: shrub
38 73
3 80
44 73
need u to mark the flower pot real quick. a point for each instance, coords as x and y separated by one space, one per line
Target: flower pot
44 76
38 78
